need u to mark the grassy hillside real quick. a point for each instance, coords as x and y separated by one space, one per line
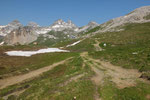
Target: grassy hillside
129 48
78 77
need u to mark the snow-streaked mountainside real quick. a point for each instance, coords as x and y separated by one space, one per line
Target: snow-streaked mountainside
33 24
60 30
16 33
60 25
4 30
22 35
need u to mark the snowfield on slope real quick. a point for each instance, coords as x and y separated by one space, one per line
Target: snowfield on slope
30 53
73 43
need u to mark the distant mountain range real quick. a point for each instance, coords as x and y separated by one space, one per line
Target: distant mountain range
15 33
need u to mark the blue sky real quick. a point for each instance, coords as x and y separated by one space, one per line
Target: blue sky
45 12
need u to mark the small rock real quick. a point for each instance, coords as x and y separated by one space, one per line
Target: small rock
134 53
74 98
105 44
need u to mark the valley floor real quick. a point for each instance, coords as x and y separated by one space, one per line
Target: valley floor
80 77
100 67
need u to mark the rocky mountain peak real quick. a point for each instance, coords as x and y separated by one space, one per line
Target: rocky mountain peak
59 22
60 25
33 24
69 22
21 35
92 23
15 23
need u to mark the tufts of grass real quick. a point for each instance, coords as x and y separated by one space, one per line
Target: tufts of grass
128 48
17 65
110 92
49 84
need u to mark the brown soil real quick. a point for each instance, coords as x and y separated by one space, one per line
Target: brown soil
97 47
148 97
120 76
74 78
20 78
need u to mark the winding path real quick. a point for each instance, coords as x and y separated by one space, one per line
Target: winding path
20 78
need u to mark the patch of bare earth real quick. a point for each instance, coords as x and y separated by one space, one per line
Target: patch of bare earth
97 78
120 76
74 78
97 47
17 93
148 97
20 78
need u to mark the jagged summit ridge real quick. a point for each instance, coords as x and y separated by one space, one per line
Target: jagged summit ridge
4 30
33 24
60 25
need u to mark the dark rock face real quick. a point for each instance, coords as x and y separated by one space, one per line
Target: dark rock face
22 35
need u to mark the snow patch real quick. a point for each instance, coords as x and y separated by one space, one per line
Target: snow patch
2 43
30 53
73 43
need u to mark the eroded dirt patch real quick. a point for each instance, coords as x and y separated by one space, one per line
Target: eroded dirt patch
17 79
74 78
148 97
120 76
97 47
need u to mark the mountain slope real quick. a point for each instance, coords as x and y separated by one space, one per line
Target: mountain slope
128 48
88 27
4 30
22 35
139 15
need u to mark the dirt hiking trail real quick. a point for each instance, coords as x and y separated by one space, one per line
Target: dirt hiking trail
120 76
20 78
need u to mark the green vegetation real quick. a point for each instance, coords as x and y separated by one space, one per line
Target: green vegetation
110 92
85 45
129 48
55 84
93 30
147 17
17 65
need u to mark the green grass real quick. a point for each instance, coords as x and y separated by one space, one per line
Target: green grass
93 30
85 45
110 92
129 48
65 43
17 65
48 85
147 17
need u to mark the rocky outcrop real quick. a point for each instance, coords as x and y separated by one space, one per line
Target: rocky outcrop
33 24
60 25
90 25
4 30
22 35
